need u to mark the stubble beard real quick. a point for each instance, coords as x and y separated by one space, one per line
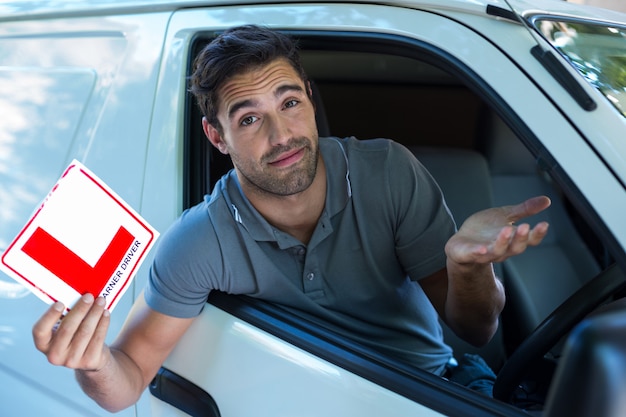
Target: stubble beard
293 180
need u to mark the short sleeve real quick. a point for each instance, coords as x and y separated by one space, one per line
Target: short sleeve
179 280
423 222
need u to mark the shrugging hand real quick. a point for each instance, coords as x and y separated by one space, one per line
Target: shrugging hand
494 234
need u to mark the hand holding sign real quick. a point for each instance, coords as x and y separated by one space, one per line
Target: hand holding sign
82 239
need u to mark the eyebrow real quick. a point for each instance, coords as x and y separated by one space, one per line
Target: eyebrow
251 103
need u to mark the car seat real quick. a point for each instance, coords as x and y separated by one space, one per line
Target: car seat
463 176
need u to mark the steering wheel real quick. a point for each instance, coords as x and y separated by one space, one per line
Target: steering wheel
555 326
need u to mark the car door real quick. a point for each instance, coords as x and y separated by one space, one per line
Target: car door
244 357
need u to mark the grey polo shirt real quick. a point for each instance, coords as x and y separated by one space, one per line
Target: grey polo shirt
383 227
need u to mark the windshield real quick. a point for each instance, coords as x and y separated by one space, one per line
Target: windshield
597 51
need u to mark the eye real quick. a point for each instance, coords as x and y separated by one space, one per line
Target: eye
291 103
247 121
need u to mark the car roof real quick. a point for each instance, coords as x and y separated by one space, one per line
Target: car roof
35 9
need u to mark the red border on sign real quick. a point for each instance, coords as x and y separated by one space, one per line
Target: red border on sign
114 198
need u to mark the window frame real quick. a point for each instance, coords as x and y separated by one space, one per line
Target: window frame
417 385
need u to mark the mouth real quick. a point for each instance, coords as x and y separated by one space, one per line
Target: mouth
288 158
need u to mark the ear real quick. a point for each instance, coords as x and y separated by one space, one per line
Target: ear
214 136
309 91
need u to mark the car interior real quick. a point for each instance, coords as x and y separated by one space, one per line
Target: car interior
481 156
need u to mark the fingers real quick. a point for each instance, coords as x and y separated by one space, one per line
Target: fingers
43 328
538 233
78 342
528 208
513 240
518 241
77 332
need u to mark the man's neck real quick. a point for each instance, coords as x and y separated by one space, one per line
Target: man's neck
295 214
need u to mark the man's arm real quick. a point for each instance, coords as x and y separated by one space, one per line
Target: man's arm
113 376
467 295
469 303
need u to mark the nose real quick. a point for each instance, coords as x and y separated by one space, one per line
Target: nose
279 130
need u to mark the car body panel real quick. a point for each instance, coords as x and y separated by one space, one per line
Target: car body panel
301 379
25 9
81 88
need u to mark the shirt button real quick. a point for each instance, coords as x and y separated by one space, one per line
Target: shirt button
310 276
301 251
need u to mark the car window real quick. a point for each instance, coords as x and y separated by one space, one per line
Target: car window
596 51
411 97
468 137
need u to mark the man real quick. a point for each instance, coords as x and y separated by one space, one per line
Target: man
346 232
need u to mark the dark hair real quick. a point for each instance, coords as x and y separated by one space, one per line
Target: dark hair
236 51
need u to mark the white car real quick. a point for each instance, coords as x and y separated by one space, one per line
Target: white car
501 100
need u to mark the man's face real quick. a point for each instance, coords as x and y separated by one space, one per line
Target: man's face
269 130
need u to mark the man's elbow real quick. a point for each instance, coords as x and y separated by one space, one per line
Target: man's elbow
116 405
478 336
